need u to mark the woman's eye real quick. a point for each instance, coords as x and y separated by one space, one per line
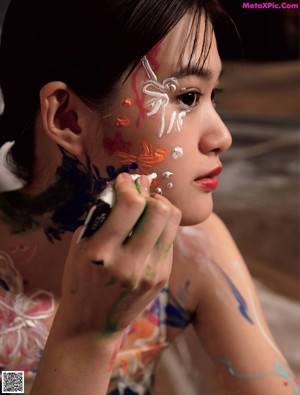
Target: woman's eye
189 99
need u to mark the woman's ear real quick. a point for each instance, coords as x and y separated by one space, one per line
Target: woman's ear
63 117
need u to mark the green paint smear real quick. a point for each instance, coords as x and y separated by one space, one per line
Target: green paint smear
113 316
149 271
111 281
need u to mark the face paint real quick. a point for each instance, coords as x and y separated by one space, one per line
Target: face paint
167 174
122 121
169 185
159 99
140 97
127 102
177 152
146 159
159 191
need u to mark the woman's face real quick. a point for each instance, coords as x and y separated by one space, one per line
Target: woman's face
164 120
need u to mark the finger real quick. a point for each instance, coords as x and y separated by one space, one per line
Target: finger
170 231
143 186
159 216
124 215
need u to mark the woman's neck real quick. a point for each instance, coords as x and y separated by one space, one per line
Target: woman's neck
60 207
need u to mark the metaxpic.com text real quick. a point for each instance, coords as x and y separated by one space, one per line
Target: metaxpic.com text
270 5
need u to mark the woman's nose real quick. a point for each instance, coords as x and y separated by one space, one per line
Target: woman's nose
216 137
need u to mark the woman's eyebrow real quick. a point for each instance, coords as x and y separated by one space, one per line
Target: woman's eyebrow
194 70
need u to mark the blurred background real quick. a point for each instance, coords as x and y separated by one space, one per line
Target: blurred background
258 196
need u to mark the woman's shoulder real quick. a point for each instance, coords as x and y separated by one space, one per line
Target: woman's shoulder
210 238
200 253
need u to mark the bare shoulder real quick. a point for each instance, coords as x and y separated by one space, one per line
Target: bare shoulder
210 239
198 251
218 233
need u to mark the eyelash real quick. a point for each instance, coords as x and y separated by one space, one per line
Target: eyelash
196 98
186 95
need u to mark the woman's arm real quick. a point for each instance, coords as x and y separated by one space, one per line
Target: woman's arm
106 284
231 325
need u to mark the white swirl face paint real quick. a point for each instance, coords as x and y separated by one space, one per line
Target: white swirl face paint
177 152
159 98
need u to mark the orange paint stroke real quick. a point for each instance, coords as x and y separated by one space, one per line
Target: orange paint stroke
147 158
123 121
127 102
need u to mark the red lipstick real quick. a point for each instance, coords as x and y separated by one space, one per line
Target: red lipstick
209 182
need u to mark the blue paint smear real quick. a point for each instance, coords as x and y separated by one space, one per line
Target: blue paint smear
177 316
67 200
243 308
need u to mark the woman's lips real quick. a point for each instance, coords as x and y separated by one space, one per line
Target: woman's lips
209 182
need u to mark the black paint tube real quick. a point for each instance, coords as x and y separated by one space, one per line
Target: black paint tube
100 211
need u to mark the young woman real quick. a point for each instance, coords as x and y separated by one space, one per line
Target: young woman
94 91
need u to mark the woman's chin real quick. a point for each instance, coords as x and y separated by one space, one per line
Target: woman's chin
195 214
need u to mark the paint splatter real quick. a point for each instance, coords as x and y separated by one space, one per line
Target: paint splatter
167 174
123 121
177 152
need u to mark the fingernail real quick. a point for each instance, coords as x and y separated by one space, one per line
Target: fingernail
124 176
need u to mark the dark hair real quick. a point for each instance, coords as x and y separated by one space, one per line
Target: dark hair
88 44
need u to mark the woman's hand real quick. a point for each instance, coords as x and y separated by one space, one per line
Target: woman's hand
110 278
